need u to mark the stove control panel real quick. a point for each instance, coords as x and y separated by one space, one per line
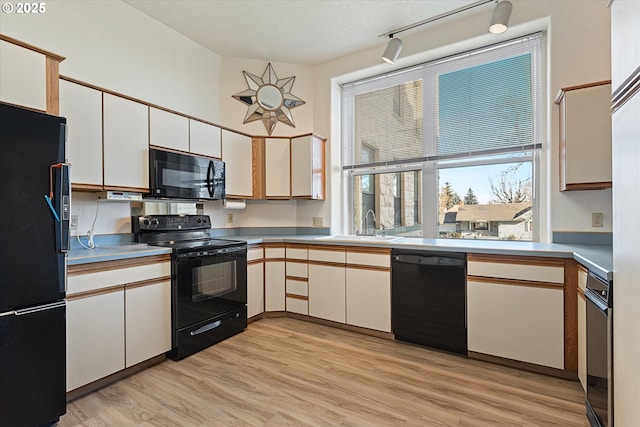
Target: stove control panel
170 223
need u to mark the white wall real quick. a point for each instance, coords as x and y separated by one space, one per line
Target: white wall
112 45
233 81
578 39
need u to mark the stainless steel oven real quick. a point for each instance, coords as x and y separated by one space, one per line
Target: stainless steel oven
209 280
599 351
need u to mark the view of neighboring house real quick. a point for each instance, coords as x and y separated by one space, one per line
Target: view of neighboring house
508 221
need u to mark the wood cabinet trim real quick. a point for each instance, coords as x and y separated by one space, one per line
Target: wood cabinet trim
86 187
561 93
327 248
517 259
296 246
52 71
570 305
512 282
328 263
587 186
295 296
148 282
95 267
273 245
20 43
369 250
255 261
297 279
95 292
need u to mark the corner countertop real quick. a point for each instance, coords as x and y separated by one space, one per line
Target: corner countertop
597 258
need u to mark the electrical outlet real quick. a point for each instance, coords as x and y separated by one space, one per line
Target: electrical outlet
597 219
317 221
229 218
74 222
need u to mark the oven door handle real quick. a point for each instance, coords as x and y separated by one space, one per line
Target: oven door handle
212 325
210 173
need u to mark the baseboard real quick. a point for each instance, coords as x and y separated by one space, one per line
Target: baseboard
525 366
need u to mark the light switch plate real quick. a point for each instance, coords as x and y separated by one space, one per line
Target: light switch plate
74 222
597 219
229 218
317 221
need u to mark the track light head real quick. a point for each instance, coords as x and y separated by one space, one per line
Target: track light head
500 17
392 51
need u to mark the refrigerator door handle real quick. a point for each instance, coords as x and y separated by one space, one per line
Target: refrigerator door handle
8 313
31 310
65 206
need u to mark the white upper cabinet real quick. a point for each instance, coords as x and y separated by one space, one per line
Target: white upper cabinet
277 168
307 167
585 136
237 153
82 106
168 130
204 139
22 76
126 143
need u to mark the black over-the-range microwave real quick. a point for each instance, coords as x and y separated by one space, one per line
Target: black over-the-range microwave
185 176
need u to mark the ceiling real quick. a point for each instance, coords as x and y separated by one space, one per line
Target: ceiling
297 31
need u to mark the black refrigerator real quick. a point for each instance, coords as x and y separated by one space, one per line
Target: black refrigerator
34 236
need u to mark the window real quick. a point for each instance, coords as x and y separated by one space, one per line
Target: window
448 148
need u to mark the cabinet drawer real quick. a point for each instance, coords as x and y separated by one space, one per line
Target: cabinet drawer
297 269
370 259
296 305
102 279
297 253
327 255
297 287
274 252
254 254
534 273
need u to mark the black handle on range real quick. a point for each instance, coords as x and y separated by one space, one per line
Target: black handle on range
210 174
429 260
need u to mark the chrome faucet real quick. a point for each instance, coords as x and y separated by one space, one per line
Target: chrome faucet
366 224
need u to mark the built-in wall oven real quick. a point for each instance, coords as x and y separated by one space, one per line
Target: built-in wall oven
599 403
209 280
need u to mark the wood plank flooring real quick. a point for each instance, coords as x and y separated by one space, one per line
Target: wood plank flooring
288 372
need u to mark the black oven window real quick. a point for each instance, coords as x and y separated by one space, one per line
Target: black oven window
213 280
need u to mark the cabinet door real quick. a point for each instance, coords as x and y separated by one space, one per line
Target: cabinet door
22 76
168 130
237 153
82 106
277 168
95 338
327 292
204 139
587 136
368 299
126 143
148 321
307 167
516 322
274 285
255 289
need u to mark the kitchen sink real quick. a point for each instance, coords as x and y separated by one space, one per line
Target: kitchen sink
360 238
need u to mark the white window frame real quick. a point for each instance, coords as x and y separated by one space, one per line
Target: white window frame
429 163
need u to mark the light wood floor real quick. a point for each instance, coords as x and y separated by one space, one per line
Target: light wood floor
287 372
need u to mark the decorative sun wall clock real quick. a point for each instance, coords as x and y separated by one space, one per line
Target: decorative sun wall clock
269 99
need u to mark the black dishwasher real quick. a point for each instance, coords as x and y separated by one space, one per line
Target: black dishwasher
428 298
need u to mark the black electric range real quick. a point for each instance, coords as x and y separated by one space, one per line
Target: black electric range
208 278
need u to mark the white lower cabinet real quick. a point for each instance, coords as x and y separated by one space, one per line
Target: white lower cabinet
274 285
255 289
516 322
116 317
148 321
327 292
368 298
95 338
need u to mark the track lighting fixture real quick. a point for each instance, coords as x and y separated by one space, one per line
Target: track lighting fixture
393 50
500 17
499 23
